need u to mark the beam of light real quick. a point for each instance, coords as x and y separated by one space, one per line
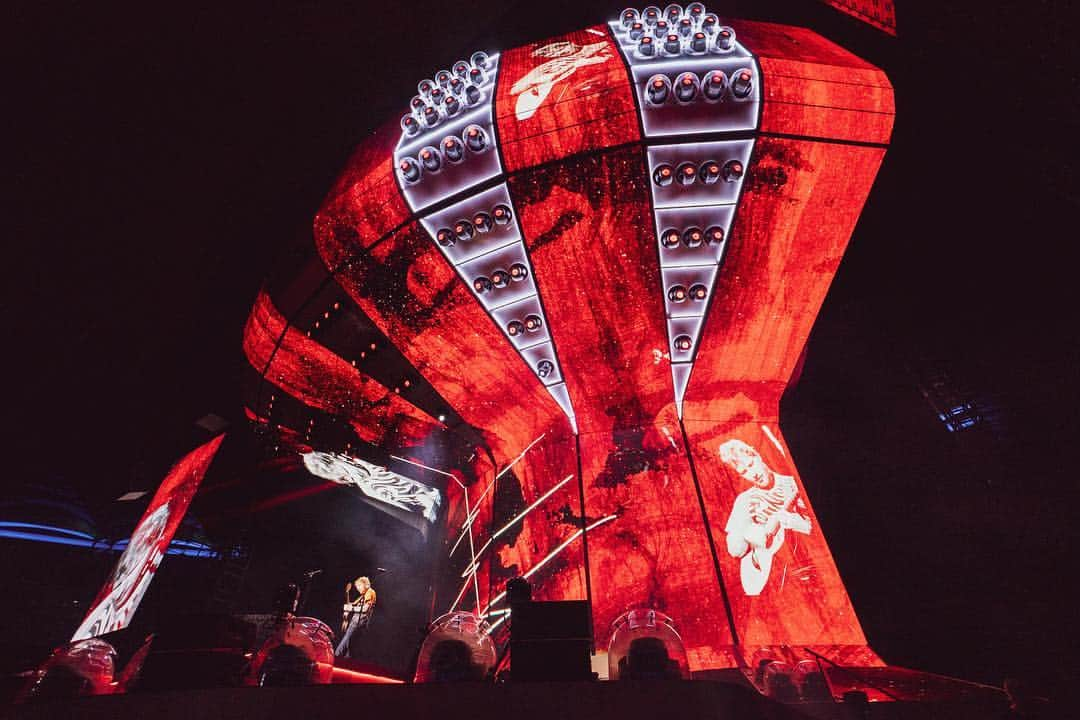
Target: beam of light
434 470
514 520
768 434
472 552
346 676
562 546
498 622
469 517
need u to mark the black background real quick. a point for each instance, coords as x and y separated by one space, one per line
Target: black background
162 160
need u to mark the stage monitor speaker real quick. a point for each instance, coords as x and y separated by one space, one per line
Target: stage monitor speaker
550 641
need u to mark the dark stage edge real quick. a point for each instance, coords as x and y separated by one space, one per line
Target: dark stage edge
680 700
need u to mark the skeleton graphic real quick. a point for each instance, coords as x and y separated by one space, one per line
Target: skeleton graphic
565 60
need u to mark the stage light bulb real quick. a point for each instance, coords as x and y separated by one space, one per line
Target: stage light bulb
685 27
464 230
683 343
686 174
460 69
686 87
698 292
425 87
693 237
725 39
709 23
699 43
476 76
629 17
409 170
645 46
533 323
430 158
714 235
475 138
658 89
695 11
446 237
452 106
670 238
714 84
479 59
453 149
472 94
501 214
650 15
672 44
518 272
673 12
482 285
742 83
431 116
443 78
663 175
500 278
637 31
544 368
733 170
482 222
710 172
515 328
409 125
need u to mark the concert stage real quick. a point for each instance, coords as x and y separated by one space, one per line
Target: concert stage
474 701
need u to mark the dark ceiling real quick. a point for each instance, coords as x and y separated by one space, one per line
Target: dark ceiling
163 162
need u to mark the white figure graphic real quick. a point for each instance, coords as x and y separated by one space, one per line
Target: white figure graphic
565 59
131 577
375 482
760 515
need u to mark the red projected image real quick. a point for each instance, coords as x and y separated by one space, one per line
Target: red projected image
760 515
119 598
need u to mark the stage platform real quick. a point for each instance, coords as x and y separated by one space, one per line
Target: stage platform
683 700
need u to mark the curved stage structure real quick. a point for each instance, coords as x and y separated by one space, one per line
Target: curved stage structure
600 256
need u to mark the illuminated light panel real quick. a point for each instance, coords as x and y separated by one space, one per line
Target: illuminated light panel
712 109
476 164
376 482
693 262
118 599
494 265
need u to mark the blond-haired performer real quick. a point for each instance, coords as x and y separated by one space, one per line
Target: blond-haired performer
356 612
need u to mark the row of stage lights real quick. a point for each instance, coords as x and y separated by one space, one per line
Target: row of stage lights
447 94
676 31
500 279
466 230
452 149
688 173
687 87
697 292
692 237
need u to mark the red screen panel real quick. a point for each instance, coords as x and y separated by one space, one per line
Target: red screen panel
800 205
118 599
588 226
365 203
879 13
320 379
563 96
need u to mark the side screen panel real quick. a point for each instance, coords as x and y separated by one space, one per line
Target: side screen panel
117 601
